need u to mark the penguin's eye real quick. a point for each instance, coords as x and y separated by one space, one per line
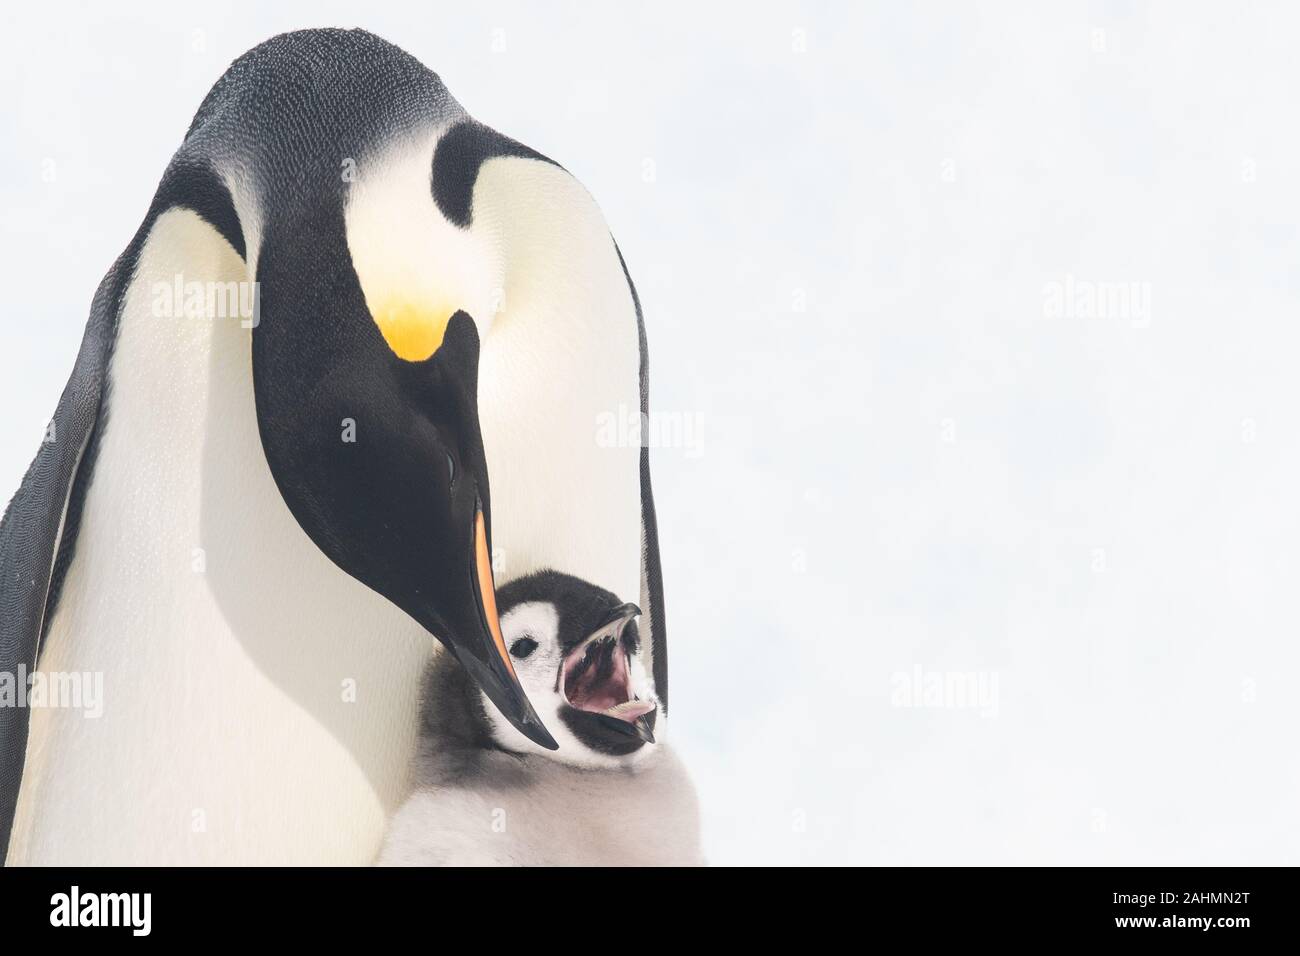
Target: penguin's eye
523 647
451 469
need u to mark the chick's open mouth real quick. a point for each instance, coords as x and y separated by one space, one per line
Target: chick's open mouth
595 678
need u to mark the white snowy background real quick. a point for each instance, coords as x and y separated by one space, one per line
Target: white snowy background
851 226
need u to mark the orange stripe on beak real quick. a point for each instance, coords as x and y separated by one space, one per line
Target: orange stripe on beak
487 591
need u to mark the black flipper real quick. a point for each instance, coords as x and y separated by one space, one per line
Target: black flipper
34 525
652 578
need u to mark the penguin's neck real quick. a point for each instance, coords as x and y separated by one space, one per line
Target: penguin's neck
259 704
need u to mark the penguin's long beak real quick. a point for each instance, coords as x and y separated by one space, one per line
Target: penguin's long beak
493 671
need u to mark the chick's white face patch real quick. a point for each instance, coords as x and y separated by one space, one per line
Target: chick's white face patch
416 268
531 632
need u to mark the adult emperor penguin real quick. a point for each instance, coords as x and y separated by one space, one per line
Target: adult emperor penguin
250 525
609 796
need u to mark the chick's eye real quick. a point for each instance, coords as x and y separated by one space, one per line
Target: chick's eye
451 469
523 647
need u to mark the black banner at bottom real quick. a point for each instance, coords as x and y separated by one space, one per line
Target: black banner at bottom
986 905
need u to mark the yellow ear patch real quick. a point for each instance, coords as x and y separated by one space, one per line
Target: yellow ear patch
412 331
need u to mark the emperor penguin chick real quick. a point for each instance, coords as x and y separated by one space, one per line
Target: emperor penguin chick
611 795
